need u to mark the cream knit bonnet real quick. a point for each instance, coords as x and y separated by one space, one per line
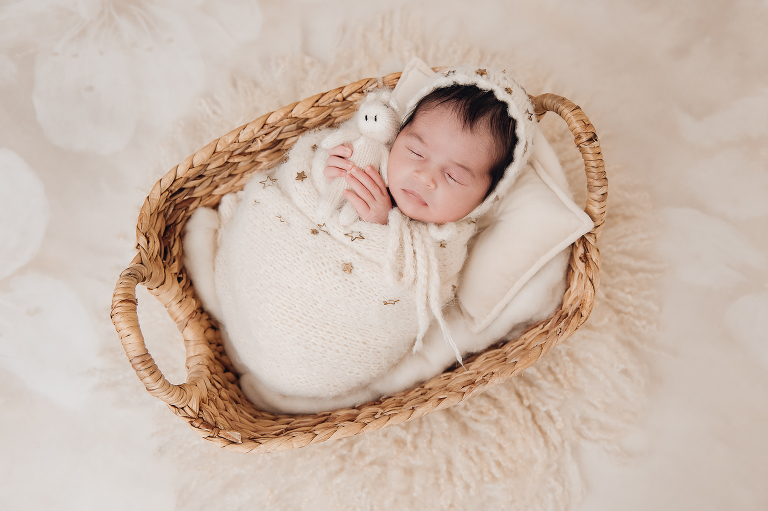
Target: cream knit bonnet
418 80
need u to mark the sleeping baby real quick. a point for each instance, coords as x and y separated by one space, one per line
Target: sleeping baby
319 306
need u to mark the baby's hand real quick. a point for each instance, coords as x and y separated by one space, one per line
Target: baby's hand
337 164
368 195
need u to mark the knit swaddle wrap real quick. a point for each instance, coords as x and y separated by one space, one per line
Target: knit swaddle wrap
337 324
312 309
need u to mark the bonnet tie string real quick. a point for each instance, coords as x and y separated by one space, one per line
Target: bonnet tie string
412 261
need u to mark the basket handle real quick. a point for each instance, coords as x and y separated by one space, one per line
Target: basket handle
126 320
585 136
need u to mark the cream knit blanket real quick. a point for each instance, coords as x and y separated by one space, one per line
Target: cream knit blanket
318 309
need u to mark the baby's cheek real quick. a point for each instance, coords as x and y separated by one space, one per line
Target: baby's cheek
393 169
460 205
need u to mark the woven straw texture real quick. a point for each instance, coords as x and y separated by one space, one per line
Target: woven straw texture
210 401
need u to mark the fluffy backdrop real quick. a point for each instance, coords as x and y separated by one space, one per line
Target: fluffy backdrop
513 447
99 98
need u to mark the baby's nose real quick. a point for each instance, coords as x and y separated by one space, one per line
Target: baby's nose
425 177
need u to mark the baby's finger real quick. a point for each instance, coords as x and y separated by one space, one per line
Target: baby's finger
332 173
354 179
377 179
336 167
359 204
343 150
367 181
337 161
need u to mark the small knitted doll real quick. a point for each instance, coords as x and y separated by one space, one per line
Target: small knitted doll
371 132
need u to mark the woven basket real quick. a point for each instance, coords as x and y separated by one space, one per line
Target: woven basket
211 401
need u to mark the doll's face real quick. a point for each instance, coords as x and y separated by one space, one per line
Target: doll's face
377 121
438 171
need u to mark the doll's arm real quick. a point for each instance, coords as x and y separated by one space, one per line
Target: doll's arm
336 167
339 137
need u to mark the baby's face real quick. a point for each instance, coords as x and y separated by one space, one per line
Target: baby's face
437 171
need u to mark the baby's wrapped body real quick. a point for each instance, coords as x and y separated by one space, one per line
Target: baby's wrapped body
314 308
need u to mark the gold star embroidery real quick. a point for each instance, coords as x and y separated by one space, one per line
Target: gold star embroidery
281 219
320 228
509 91
256 202
482 72
390 302
301 176
347 267
442 244
355 235
268 182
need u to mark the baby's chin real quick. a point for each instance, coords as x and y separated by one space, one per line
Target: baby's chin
426 215
408 209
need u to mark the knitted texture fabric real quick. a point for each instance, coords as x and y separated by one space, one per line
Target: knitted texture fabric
318 309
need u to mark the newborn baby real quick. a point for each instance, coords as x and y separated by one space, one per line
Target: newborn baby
315 308
448 156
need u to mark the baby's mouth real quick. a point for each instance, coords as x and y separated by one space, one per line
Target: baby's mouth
415 196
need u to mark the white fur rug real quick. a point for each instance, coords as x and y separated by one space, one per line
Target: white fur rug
516 446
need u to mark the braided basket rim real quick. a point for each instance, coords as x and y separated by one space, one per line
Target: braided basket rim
210 400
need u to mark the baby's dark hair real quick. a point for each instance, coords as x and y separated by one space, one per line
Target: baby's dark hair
473 105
